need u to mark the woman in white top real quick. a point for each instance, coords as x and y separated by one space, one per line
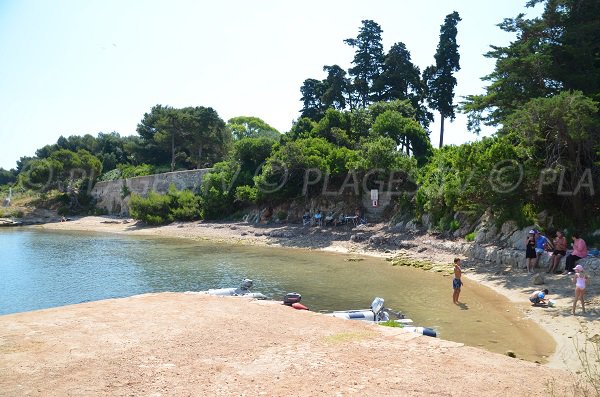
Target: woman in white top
580 280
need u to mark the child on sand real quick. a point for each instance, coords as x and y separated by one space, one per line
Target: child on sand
456 282
580 280
538 297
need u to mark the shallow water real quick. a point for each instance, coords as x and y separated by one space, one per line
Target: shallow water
41 269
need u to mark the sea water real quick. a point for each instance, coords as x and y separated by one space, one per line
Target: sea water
41 269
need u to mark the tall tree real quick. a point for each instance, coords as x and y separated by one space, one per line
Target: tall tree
251 127
439 77
407 133
335 88
560 50
577 60
149 148
560 134
7 176
168 131
206 134
368 61
192 134
312 99
401 79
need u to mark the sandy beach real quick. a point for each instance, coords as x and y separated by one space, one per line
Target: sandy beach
568 331
178 344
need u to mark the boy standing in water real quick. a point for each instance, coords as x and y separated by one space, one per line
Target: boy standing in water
456 282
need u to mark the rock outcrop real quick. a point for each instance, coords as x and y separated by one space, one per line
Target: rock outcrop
504 247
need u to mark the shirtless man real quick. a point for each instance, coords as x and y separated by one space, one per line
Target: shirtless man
456 282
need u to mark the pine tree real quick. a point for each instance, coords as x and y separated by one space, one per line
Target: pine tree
439 77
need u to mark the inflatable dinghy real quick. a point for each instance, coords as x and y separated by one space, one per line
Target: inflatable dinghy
378 313
242 290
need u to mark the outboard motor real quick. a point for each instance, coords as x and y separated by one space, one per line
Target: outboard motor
376 313
242 290
292 297
246 285
379 313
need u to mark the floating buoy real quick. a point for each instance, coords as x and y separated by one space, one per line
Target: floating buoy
299 306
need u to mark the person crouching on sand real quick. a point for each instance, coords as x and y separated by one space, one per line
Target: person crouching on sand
580 280
538 297
456 282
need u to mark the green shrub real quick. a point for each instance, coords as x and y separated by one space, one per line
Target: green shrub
12 214
111 175
454 225
218 189
246 194
130 171
158 209
471 236
98 211
185 205
492 173
154 209
281 215
391 323
125 190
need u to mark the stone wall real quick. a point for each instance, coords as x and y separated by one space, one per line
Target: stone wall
114 196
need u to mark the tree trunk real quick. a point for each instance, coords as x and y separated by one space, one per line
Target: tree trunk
200 157
172 152
441 131
576 174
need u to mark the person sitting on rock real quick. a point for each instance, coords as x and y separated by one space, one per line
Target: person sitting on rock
560 250
579 251
306 218
329 218
318 218
541 242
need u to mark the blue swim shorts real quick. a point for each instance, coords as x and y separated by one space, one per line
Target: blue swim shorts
456 283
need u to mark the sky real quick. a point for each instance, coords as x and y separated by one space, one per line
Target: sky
74 67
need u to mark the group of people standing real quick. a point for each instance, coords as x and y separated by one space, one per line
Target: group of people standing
536 243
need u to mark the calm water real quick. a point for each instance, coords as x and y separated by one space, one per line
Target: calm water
41 269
